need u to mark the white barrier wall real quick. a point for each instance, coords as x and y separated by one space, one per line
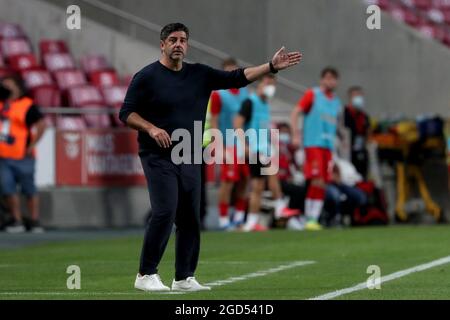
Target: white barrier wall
45 159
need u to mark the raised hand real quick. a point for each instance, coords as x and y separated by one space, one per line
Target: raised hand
282 60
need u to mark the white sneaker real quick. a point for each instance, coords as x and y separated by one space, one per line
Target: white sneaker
189 284
150 283
16 227
295 224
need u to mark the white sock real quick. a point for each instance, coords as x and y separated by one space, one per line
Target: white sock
239 216
313 209
280 204
224 221
252 220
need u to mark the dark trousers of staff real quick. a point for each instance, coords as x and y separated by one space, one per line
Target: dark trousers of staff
175 192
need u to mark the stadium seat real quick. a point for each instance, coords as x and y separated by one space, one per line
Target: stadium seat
95 120
59 61
23 62
432 31
10 30
85 96
423 4
104 78
446 14
47 96
37 78
93 63
446 39
66 79
442 4
436 15
47 46
383 4
70 123
114 97
14 47
89 97
49 121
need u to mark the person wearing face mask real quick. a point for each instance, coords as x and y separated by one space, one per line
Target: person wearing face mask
358 123
255 114
21 127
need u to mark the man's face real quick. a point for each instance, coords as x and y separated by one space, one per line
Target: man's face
329 81
175 46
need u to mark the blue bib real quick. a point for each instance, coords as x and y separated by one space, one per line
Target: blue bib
231 104
320 123
260 122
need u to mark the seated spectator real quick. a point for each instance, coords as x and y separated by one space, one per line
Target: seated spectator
342 193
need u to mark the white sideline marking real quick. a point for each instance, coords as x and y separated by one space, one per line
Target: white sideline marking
259 273
390 277
214 283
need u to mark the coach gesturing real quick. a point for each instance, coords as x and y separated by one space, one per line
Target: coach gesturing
166 95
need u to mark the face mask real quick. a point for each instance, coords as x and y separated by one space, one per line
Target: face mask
269 91
358 102
285 138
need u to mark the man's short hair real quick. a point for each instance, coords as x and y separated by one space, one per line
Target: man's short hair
173 27
329 70
229 62
354 89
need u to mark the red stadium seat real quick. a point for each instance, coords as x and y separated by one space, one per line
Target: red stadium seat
446 14
14 47
436 15
398 13
66 79
88 97
104 78
85 96
49 121
10 30
93 63
446 39
383 4
114 96
95 120
70 123
37 78
441 4
47 96
52 46
23 62
432 31
423 4
59 61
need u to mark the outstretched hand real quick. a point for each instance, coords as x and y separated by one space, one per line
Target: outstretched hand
282 60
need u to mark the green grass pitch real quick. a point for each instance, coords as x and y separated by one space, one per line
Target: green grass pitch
109 266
